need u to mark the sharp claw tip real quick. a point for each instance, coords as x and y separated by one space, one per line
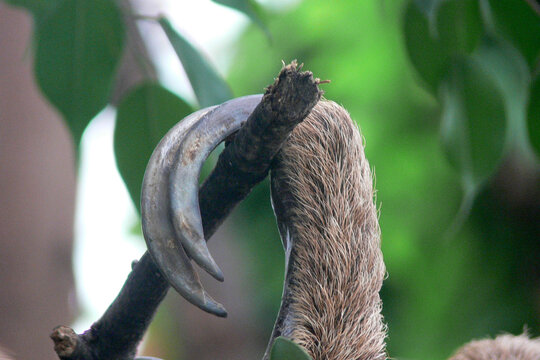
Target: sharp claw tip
205 260
219 276
221 312
215 308
214 270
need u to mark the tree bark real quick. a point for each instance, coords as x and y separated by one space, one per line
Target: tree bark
243 163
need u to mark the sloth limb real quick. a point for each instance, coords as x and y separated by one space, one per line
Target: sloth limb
322 195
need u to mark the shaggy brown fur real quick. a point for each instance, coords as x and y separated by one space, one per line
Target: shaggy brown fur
322 194
323 198
504 347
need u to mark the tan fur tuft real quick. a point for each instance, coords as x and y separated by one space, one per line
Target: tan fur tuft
322 192
337 269
503 347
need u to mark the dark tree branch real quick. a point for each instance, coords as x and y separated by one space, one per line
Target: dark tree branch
243 164
118 332
246 161
535 5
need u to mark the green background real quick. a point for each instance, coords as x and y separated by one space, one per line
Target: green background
447 96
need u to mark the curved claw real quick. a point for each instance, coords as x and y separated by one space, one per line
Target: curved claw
203 136
158 231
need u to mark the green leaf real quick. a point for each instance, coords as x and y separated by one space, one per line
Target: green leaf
438 32
285 349
509 71
144 117
428 7
36 7
78 48
520 24
472 123
209 87
534 116
459 26
426 54
250 8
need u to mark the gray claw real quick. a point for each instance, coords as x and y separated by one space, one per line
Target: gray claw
158 231
203 136
170 191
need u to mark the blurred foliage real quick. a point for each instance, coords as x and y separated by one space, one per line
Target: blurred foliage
210 89
144 117
447 93
251 9
534 115
441 95
78 47
285 349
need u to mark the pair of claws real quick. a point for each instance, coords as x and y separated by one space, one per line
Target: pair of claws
171 219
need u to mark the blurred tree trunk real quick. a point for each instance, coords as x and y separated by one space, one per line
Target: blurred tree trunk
37 192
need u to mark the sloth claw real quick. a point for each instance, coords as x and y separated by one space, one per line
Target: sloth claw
171 218
203 136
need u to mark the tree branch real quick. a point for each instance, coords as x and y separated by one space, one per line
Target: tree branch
243 164
246 161
534 5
